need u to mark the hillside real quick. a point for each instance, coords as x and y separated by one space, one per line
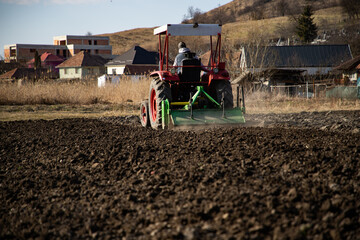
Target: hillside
242 23
122 41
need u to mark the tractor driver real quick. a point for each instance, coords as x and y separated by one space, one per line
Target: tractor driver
181 55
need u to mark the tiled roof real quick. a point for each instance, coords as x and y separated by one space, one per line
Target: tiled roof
83 59
350 65
298 56
135 55
47 57
18 73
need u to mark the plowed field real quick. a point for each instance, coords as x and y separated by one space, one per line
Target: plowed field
292 176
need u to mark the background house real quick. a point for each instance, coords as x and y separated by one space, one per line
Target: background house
21 73
137 56
302 70
81 66
95 45
64 46
315 59
351 70
134 63
290 61
48 61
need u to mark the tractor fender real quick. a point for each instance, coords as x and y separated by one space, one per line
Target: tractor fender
222 75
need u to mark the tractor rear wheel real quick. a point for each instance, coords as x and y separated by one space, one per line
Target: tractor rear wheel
144 113
159 91
224 87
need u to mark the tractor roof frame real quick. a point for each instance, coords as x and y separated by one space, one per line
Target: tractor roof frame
189 30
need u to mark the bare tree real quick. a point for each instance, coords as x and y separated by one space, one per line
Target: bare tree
351 7
258 12
193 14
282 7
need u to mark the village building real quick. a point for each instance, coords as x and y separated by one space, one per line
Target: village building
134 63
313 59
23 74
48 61
63 46
351 70
136 60
81 66
276 67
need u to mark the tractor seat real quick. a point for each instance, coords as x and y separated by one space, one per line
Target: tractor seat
192 72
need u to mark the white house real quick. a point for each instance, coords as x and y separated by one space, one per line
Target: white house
81 66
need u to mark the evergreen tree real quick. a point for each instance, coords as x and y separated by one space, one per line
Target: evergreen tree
306 28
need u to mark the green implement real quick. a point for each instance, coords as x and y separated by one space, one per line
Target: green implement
188 116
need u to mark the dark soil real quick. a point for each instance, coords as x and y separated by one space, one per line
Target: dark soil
292 176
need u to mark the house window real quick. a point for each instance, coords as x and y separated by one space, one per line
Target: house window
95 42
96 51
114 71
76 70
64 53
57 52
32 50
65 71
89 42
12 52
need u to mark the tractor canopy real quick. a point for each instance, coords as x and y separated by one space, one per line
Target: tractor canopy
169 30
188 30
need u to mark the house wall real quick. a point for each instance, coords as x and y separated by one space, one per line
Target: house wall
75 41
115 70
7 54
353 76
104 52
68 73
103 42
68 43
91 71
308 71
25 52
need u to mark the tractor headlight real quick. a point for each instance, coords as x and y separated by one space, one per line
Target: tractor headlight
216 70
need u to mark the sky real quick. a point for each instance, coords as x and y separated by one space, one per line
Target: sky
38 21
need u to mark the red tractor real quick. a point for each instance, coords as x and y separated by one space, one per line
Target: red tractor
180 95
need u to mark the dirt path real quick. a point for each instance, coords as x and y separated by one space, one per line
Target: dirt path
286 176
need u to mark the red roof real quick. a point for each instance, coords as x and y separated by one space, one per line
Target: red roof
47 57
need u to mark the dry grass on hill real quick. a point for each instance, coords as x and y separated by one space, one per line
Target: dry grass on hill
123 41
272 28
241 31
